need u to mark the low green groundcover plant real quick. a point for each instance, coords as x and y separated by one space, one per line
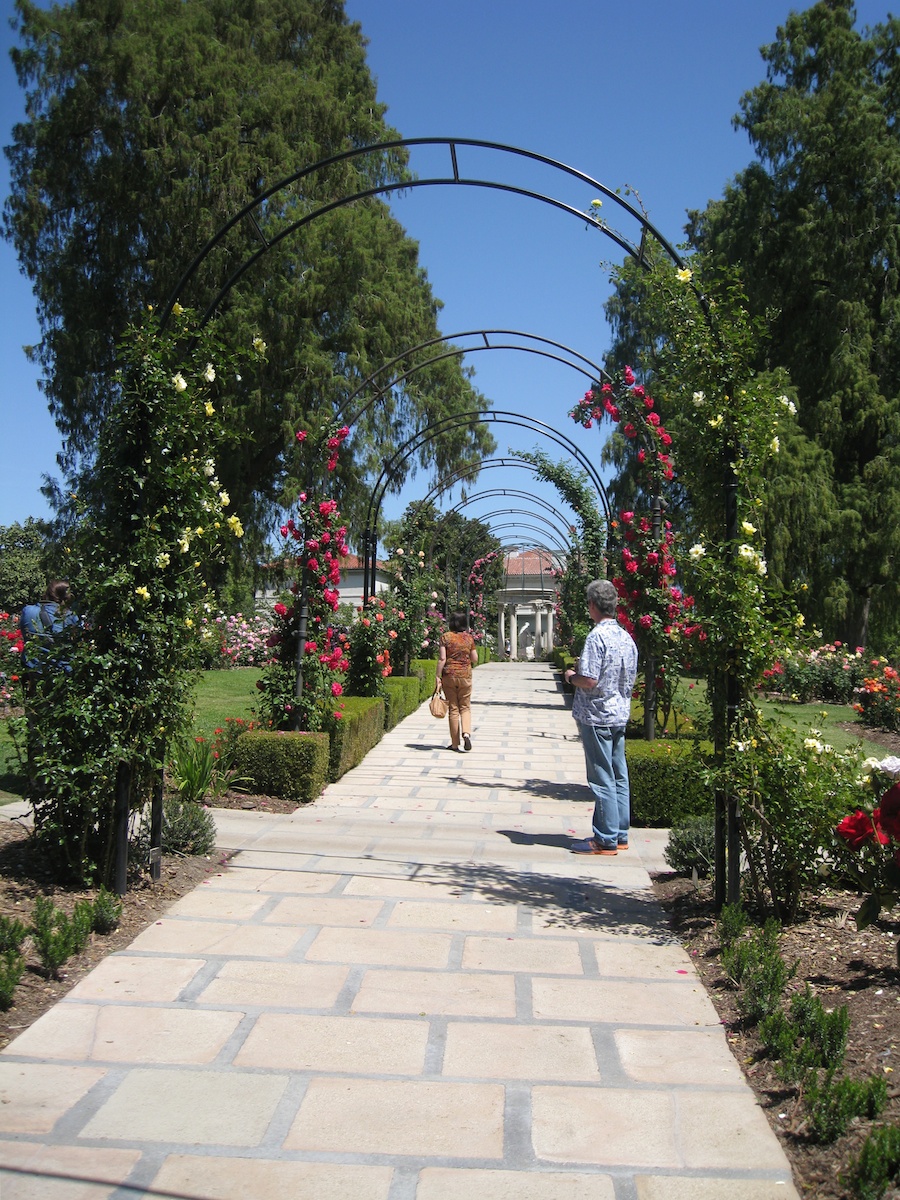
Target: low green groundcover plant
878 1164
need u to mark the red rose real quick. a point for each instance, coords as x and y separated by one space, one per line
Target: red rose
856 829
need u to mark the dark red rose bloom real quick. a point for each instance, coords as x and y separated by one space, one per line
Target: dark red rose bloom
856 829
890 812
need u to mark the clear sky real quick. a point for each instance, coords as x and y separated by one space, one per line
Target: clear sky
637 94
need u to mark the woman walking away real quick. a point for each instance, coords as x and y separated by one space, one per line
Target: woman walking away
455 662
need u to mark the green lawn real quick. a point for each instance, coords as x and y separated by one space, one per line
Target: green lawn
219 694
826 718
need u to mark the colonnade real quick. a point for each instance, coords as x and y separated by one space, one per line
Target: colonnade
520 642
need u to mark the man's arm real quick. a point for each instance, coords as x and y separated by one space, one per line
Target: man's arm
579 681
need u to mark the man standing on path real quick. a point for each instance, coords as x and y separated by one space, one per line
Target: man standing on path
603 682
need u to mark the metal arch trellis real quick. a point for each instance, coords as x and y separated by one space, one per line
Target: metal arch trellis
635 247
586 366
251 211
489 416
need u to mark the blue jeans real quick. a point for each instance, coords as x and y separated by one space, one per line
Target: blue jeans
607 776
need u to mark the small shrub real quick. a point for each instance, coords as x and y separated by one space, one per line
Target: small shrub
291 765
667 786
12 934
808 1037
832 1106
107 911
56 937
878 1164
82 923
12 968
197 773
401 699
187 828
732 924
691 847
361 728
755 965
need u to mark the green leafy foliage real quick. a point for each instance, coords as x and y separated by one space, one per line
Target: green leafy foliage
152 526
754 964
291 765
57 937
107 911
198 773
820 258
12 933
732 924
23 564
877 1165
807 1037
12 968
667 782
832 1104
691 847
194 111
187 828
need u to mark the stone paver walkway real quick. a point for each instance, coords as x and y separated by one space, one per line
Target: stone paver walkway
407 991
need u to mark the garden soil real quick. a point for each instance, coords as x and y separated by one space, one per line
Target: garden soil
842 965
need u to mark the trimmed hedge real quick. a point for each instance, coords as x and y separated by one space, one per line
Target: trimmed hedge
402 698
424 669
361 728
293 766
665 781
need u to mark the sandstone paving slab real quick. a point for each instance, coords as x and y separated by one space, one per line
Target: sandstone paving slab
132 977
254 984
542 956
380 947
184 1107
492 918
241 878
359 1046
326 910
641 958
132 1033
446 993
269 1179
33 1096
30 1168
619 1003
448 1183
459 1120
698 1056
536 1052
218 903
739 1137
403 887
213 937
605 1126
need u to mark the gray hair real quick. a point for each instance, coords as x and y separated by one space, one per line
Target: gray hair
602 594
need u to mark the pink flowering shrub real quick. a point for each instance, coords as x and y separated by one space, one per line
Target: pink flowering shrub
832 673
236 641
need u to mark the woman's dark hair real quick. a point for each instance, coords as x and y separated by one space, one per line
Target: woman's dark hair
57 592
458 622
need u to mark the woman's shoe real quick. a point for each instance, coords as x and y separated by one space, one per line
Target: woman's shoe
467 742
455 749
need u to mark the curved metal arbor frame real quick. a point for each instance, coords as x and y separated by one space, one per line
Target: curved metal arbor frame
489 416
633 245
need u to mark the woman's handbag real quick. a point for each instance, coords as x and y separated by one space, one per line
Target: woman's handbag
437 705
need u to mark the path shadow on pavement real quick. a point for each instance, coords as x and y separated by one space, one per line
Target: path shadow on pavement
573 904
540 789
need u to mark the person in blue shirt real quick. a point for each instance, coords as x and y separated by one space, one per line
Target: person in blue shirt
47 626
603 682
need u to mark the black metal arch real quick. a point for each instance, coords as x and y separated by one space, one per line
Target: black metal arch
489 416
562 534
250 212
586 366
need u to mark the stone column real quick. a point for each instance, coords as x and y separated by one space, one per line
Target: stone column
501 630
550 615
514 632
538 637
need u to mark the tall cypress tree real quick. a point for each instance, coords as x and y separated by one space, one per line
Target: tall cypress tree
813 225
149 124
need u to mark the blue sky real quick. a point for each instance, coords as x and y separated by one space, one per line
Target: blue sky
637 94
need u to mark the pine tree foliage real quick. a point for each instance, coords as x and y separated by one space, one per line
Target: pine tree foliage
813 225
149 124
